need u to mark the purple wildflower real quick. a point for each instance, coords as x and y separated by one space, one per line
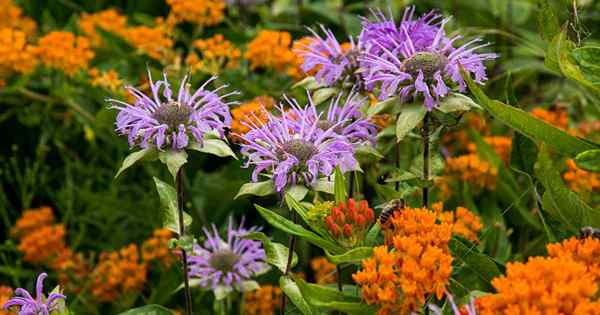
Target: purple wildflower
348 118
224 263
38 306
294 149
421 60
330 59
168 121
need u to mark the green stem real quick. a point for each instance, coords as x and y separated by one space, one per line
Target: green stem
288 266
188 295
426 158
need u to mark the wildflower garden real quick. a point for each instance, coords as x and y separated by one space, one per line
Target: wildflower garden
300 157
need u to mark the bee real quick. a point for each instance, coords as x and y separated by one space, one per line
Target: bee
588 231
389 209
227 131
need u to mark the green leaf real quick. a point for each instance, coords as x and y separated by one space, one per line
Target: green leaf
260 189
168 200
382 106
173 159
408 119
562 203
456 102
482 265
339 186
145 154
321 95
290 227
589 160
301 209
371 238
325 185
329 298
277 254
290 288
368 149
548 23
523 153
308 83
298 192
216 147
528 125
152 309
355 255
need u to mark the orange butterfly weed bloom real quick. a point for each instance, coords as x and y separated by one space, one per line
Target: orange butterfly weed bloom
579 180
501 145
42 244
324 271
5 294
216 53
152 41
200 12
262 301
348 222
270 50
31 220
109 20
72 269
11 16
557 116
542 286
156 248
108 80
585 251
471 169
466 224
65 51
16 54
250 112
118 273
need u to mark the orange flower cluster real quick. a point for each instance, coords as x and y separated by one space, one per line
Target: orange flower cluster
109 20
216 53
156 248
11 16
200 12
71 268
32 219
270 50
542 286
470 168
349 221
585 251
466 224
106 79
65 51
579 180
252 111
118 273
502 146
557 116
420 265
5 294
42 245
153 41
262 301
16 54
324 271
589 127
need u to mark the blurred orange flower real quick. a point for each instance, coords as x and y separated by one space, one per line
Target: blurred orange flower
109 20
65 51
200 12
579 180
11 16
5 294
16 54
153 41
216 53
262 301
270 50
470 168
250 112
324 270
118 273
156 248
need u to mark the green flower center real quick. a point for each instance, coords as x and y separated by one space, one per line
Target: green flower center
223 260
173 114
302 150
428 63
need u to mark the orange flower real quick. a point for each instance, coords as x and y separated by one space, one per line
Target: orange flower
11 17
106 79
502 146
324 270
42 244
216 53
65 51
5 294
109 20
72 269
252 111
154 42
156 248
118 273
589 127
579 180
556 116
469 168
585 251
542 286
16 54
200 12
270 50
262 301
466 224
457 141
31 220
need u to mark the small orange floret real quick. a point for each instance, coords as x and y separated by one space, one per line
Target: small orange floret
156 248
557 116
17 55
153 41
11 16
324 270
270 50
106 79
65 51
579 180
42 244
502 146
470 168
250 112
216 53
109 20
31 220
585 251
200 12
262 301
118 273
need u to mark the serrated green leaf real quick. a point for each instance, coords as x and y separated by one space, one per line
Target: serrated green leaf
152 309
277 254
144 154
355 255
173 159
290 288
456 102
168 200
260 189
408 119
216 147
589 160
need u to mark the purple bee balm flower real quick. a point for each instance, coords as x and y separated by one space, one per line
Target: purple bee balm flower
294 149
351 125
331 60
171 121
38 306
423 64
225 264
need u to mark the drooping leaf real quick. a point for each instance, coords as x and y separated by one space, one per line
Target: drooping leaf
290 288
168 201
144 154
152 309
277 254
408 119
323 297
355 255
173 159
216 147
456 102
260 189
548 23
589 160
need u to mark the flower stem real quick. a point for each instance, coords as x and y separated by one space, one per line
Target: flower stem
179 187
425 134
288 266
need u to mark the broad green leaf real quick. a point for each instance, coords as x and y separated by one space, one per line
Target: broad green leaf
290 288
290 227
523 153
588 60
372 235
325 185
173 159
277 254
298 192
321 95
355 255
382 106
301 209
589 160
528 125
408 119
564 204
260 189
144 154
216 147
456 102
548 23
339 186
152 309
168 200
308 83
482 265
329 298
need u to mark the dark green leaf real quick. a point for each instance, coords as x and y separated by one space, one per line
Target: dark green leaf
548 23
355 255
144 154
329 298
290 288
408 119
260 189
589 160
168 200
173 159
148 310
482 265
277 254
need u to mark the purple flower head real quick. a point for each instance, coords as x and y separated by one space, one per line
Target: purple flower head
38 306
330 59
346 116
168 120
223 264
293 149
422 61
